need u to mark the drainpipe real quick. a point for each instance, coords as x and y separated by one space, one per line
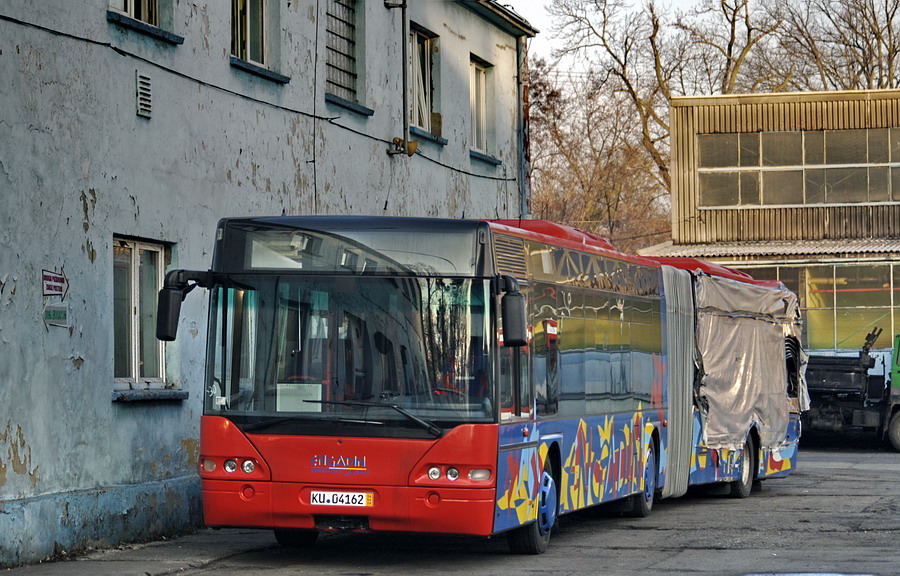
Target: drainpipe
521 135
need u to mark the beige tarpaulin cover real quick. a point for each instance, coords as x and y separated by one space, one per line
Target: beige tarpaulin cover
741 331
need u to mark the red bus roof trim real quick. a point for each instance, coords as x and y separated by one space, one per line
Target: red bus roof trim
713 269
565 237
569 237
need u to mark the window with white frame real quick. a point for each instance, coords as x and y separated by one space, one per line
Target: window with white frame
137 278
341 44
249 26
421 107
144 10
478 104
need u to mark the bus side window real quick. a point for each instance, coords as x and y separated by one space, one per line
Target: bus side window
546 367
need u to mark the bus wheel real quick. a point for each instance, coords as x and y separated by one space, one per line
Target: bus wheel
894 431
533 538
296 538
742 487
642 502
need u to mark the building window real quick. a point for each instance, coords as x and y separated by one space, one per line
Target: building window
137 278
799 168
841 303
146 11
478 105
421 108
341 44
248 31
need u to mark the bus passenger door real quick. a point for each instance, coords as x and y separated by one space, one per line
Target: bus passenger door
520 462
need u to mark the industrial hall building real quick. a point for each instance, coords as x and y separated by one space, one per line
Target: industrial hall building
799 187
130 127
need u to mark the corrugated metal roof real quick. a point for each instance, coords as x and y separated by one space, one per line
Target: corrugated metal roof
794 249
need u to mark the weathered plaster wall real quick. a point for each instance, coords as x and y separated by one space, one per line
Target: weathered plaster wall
78 166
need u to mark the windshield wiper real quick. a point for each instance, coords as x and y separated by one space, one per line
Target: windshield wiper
431 427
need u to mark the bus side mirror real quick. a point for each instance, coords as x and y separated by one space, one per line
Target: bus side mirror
512 309
168 304
168 311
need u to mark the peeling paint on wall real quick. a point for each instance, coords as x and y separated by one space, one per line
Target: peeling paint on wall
191 447
17 455
86 224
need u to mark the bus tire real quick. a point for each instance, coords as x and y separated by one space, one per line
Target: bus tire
533 538
642 502
742 487
894 431
291 538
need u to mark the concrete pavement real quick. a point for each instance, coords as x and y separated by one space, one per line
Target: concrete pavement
165 556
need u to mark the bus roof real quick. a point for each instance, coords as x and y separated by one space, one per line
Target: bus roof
570 237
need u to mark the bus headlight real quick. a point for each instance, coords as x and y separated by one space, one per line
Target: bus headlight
230 466
434 473
248 466
452 474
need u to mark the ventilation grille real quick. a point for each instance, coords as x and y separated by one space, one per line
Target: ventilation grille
144 95
509 257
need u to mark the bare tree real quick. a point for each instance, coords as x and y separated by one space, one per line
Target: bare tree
601 146
651 57
591 171
837 44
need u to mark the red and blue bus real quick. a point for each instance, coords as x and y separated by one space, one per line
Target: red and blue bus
476 377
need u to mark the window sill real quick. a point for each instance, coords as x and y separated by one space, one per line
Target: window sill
139 26
480 157
351 106
258 70
150 395
425 135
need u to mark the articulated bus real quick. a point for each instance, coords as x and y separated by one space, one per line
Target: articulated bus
477 377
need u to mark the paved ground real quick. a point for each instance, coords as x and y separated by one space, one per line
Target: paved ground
839 513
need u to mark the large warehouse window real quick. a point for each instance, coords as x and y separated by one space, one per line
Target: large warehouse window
841 303
799 168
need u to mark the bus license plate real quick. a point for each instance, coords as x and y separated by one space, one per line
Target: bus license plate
361 499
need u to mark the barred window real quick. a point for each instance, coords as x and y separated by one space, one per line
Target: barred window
341 45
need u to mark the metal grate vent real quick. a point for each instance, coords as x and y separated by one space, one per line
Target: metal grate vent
509 257
144 95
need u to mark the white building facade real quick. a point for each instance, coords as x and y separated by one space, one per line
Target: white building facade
129 128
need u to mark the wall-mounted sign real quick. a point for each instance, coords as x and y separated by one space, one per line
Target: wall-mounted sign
57 314
54 283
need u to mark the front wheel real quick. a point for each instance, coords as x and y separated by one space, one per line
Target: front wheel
534 538
642 502
742 487
894 431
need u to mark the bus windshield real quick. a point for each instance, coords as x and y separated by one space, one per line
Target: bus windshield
339 354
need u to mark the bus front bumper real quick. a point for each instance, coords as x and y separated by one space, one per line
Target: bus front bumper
381 508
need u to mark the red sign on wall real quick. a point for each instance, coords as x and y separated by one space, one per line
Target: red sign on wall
54 283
